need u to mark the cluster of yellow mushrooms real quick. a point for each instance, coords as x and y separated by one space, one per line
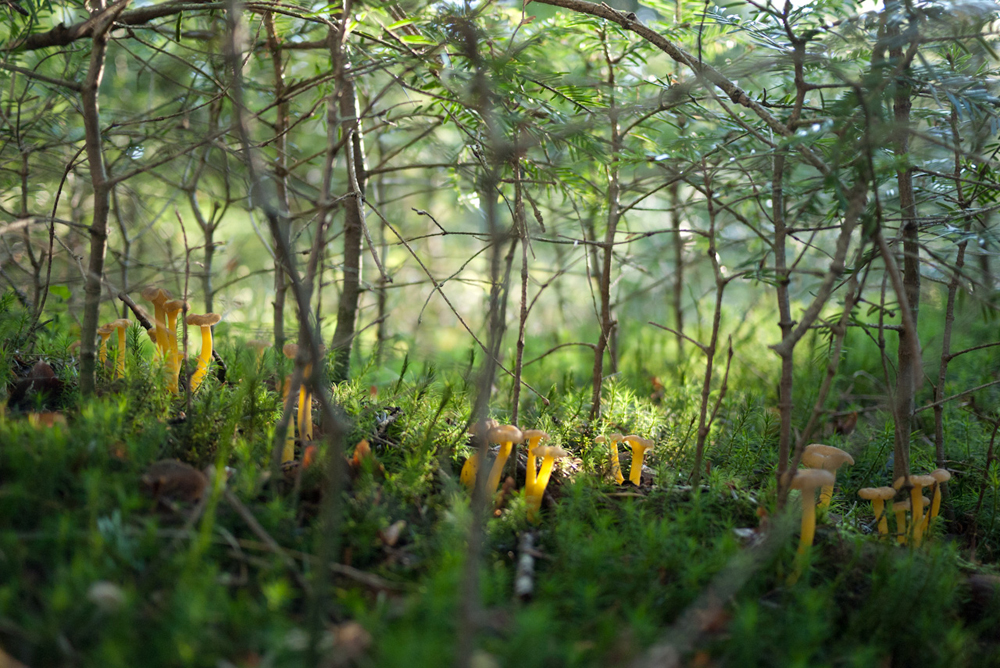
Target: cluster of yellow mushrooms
164 335
823 461
541 459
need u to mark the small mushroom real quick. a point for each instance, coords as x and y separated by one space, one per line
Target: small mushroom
469 471
506 435
172 307
612 440
105 332
158 297
471 466
900 508
808 480
639 447
832 459
287 452
940 476
878 496
917 513
121 324
549 455
534 437
205 322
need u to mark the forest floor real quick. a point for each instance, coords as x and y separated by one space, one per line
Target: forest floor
107 558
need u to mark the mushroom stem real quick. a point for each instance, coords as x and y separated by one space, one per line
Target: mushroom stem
102 354
808 520
204 358
171 352
287 452
305 407
120 366
639 447
616 467
469 471
534 437
878 505
899 509
549 454
494 480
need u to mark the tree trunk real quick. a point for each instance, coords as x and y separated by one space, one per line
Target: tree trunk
102 200
354 222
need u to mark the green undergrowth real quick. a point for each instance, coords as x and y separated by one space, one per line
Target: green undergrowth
92 572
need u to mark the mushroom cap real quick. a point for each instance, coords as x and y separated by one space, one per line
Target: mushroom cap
121 322
553 451
813 460
901 505
632 439
204 320
872 493
529 434
898 484
610 438
812 478
922 480
941 475
835 457
173 305
488 423
155 294
506 433
106 329
259 344
290 350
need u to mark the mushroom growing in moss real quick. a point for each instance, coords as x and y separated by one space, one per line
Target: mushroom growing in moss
828 458
899 509
205 322
878 496
917 508
121 324
940 476
808 480
157 297
534 437
549 455
612 440
471 466
172 307
639 447
506 435
105 332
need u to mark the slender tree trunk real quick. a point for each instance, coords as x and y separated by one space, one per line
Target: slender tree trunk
102 200
280 170
354 218
908 358
607 323
785 322
678 242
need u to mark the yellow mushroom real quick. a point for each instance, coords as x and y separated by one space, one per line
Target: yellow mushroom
105 332
506 435
612 440
639 447
171 308
121 324
900 508
917 509
534 437
878 496
205 322
471 466
828 458
287 452
158 297
260 346
549 455
808 480
940 476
